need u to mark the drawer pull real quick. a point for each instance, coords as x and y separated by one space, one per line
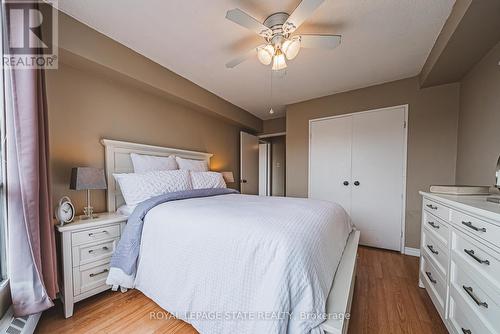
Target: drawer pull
433 207
433 224
470 252
429 275
475 228
431 248
470 292
94 234
105 248
466 331
99 273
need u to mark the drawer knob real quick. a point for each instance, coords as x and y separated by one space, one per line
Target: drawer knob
470 252
429 275
466 331
99 273
433 224
431 248
471 293
94 234
105 248
475 228
433 207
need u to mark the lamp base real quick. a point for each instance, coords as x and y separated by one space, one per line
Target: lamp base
88 213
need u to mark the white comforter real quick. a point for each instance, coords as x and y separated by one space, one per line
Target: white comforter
243 264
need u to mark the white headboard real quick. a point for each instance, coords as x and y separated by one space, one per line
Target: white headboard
117 160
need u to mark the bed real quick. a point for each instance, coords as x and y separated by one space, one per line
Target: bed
242 263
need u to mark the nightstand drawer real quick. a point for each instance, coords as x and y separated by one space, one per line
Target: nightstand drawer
93 252
96 234
86 279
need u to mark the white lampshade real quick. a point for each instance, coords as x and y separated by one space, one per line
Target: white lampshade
279 61
265 54
291 47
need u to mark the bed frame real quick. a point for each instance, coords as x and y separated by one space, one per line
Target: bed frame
117 160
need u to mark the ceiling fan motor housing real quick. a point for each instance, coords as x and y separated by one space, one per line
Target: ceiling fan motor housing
275 23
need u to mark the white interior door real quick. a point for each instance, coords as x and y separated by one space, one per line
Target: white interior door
378 171
249 163
330 160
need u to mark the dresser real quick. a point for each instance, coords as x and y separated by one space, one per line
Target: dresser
86 249
460 261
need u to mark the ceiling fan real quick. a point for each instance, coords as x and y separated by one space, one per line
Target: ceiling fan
280 45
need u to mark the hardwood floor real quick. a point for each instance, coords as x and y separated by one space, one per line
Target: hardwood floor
386 300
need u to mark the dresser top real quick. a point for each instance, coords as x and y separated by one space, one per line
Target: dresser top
474 203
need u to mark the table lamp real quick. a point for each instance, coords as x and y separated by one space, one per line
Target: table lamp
87 178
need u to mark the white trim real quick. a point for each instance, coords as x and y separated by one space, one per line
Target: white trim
277 134
117 160
405 160
412 251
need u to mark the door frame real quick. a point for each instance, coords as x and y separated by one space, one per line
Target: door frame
405 159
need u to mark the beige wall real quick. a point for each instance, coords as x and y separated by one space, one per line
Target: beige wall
479 122
275 125
432 141
85 106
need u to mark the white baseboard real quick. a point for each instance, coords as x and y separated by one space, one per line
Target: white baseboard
412 251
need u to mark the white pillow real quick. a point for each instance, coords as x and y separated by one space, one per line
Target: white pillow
147 163
204 180
192 165
137 188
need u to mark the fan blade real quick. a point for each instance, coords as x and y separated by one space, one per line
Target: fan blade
300 14
320 41
236 61
243 19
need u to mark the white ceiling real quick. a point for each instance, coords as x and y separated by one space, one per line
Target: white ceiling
383 40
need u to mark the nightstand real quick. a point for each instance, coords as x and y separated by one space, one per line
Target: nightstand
86 247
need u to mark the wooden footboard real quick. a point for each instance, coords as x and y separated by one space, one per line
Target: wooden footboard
338 305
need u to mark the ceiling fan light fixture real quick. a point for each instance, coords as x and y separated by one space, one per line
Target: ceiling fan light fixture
279 61
291 47
265 54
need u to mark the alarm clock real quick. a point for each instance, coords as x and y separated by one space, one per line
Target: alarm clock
65 211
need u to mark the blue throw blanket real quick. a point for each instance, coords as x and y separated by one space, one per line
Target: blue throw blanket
124 261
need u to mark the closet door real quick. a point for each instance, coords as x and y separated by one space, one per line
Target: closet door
330 160
378 153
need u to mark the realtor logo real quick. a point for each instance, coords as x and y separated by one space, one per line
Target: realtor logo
30 39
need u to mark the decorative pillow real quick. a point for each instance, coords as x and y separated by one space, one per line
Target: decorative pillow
147 163
204 180
192 165
137 188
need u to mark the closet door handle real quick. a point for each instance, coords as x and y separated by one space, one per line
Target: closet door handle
346 183
356 183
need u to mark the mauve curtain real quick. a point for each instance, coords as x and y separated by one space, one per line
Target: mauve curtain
31 247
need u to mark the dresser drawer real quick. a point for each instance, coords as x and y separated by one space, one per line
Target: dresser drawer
477 227
482 302
437 209
92 235
463 319
477 258
436 252
434 283
86 278
92 252
437 227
